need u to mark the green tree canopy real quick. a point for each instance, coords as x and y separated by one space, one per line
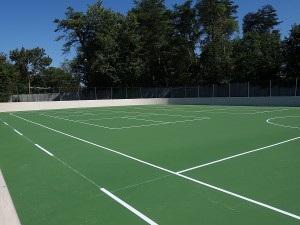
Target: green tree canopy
291 52
30 62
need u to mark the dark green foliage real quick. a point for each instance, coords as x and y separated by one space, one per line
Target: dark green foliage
193 42
263 21
30 62
258 56
218 24
8 76
291 52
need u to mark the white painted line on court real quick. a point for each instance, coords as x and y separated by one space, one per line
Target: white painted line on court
128 127
18 132
241 197
130 208
169 171
238 155
49 153
91 143
5 123
280 125
155 124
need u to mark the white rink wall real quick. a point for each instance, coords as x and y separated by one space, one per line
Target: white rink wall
30 106
235 101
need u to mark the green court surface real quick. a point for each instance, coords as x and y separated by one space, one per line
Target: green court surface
155 164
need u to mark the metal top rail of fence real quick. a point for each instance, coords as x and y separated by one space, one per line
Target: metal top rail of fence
236 89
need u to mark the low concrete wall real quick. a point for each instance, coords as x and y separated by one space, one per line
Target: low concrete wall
28 106
239 101
236 101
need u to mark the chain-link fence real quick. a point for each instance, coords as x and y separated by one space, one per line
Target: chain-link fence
236 89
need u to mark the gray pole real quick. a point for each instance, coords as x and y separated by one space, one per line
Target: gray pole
141 92
229 90
95 93
78 94
270 88
213 94
248 89
111 93
296 87
126 92
198 92
59 94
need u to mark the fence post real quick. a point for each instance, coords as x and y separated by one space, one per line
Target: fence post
198 92
229 94
296 87
185 91
213 94
18 94
156 93
59 93
111 93
248 89
270 88
126 96
171 92
78 93
95 93
38 94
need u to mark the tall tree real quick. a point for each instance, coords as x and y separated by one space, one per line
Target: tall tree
8 78
218 24
155 30
30 62
94 35
259 55
186 35
291 52
263 21
130 65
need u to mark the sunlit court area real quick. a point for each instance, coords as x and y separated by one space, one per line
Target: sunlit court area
153 164
158 112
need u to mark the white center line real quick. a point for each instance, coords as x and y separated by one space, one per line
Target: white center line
142 216
18 132
49 153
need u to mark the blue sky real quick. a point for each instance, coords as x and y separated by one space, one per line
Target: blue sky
29 23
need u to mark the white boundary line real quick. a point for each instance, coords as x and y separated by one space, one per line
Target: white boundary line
217 111
18 132
169 171
276 124
238 155
126 127
49 153
5 123
142 216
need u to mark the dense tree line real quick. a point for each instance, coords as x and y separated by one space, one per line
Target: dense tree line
152 45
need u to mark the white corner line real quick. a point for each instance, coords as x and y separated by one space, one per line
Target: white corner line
238 155
5 123
136 212
44 150
18 132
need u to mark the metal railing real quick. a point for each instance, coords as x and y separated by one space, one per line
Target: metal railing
235 89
